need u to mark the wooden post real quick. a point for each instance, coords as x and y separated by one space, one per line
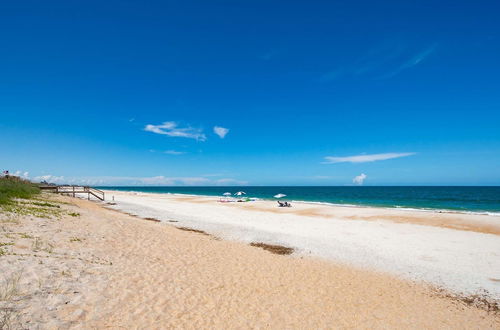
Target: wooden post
73 191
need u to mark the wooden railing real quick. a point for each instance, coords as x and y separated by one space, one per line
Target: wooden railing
73 190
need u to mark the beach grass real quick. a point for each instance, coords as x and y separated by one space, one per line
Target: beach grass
20 197
9 313
12 187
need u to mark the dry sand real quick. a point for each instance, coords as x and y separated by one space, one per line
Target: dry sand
104 269
457 251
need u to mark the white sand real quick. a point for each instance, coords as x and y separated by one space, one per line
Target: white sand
416 245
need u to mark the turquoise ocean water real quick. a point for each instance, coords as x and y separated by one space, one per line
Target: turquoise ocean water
466 199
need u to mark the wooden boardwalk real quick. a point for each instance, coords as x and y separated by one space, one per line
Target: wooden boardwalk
73 190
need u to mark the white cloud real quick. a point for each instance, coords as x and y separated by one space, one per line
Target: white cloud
174 152
221 131
193 181
50 178
179 181
359 179
170 128
24 175
230 182
182 181
21 174
366 158
162 181
159 180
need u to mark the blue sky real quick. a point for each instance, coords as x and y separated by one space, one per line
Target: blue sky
301 93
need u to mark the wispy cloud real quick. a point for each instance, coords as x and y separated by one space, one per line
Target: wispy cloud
383 62
360 179
171 128
159 180
221 131
168 152
365 158
174 152
415 60
230 182
170 181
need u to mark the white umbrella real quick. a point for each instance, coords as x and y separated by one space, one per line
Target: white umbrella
239 193
227 194
279 195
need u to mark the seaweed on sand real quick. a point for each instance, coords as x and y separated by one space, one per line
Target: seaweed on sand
276 249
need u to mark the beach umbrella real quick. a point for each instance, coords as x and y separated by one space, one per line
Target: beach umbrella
279 195
239 193
227 194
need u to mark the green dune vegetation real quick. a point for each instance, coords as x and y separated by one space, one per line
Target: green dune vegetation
13 187
20 197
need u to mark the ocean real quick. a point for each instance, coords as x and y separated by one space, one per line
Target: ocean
465 199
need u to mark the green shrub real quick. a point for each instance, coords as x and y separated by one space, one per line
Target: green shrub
15 187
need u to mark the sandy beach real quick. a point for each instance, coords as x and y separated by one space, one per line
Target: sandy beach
150 150
455 251
93 267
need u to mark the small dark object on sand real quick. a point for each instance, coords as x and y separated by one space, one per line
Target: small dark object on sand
152 219
284 204
193 230
276 249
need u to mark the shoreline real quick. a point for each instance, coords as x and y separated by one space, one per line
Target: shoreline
332 206
437 210
462 259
